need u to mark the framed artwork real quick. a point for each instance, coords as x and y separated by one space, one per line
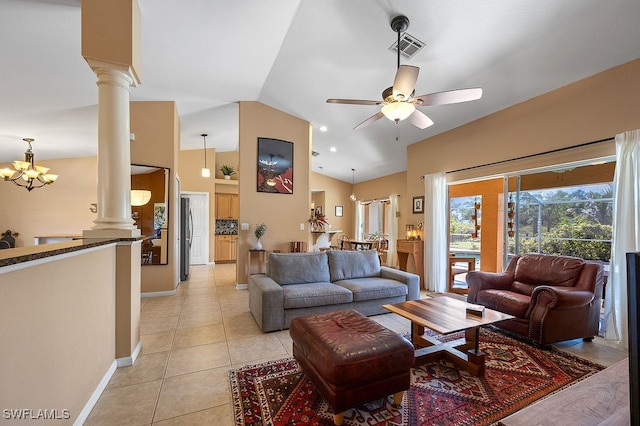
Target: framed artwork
418 204
275 166
159 215
338 211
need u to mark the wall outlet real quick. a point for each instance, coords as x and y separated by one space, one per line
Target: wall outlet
244 226
302 226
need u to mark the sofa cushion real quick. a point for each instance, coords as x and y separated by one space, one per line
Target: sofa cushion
373 288
509 302
347 264
298 268
315 294
540 269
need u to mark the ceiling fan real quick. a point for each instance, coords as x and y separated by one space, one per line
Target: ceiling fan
399 102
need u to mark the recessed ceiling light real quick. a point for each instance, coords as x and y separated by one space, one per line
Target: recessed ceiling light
322 128
333 149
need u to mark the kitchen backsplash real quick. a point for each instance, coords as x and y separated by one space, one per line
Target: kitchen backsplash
226 227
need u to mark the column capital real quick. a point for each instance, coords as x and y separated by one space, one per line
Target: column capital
119 74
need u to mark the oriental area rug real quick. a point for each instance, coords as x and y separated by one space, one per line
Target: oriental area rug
517 374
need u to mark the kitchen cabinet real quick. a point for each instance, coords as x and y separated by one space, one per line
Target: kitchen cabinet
226 248
227 206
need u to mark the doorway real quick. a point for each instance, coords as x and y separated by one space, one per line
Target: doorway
199 205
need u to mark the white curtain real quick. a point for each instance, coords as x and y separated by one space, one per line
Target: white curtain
375 218
392 226
359 220
626 233
436 228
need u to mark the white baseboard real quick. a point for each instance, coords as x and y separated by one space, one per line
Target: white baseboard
158 293
241 286
130 360
84 414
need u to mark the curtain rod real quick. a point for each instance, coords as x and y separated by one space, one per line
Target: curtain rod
532 155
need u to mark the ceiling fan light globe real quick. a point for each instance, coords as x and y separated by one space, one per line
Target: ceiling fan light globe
398 111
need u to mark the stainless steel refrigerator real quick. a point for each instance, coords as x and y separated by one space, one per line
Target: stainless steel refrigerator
186 229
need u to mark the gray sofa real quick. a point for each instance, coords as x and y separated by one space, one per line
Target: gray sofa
299 284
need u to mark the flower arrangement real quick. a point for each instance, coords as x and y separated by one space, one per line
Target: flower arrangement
318 221
260 230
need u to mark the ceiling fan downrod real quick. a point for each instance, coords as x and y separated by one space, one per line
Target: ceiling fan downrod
399 24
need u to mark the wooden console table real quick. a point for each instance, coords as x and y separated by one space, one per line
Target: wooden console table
415 249
261 266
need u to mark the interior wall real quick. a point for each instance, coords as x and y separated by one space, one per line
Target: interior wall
157 141
230 158
282 213
58 332
336 193
61 208
190 172
384 187
595 108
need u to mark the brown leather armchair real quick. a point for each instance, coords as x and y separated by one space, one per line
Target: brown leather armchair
553 298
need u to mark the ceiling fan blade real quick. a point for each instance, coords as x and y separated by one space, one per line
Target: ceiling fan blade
353 102
405 82
449 97
369 120
418 119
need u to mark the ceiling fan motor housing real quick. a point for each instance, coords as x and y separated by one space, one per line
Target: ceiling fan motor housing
400 23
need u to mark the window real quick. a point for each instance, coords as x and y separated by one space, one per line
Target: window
376 219
570 220
465 226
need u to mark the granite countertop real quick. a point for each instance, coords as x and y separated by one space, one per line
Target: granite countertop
17 255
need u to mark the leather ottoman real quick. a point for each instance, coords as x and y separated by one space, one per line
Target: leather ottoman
351 359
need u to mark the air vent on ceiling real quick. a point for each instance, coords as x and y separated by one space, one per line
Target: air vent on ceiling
409 46
314 153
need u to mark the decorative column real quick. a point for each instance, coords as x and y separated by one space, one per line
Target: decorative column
114 158
111 47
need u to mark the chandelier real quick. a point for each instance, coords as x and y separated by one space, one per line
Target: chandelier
29 175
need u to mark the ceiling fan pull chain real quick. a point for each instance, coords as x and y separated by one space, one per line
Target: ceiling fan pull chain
397 130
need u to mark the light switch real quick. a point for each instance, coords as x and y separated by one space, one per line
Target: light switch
244 226
302 226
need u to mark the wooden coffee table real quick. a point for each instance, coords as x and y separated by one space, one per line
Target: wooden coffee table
447 315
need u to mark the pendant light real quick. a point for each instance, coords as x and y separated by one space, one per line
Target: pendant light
352 197
205 171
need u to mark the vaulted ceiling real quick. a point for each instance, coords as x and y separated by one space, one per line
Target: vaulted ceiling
294 54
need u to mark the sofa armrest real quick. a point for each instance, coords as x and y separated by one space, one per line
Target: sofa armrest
560 297
412 281
558 307
479 280
266 302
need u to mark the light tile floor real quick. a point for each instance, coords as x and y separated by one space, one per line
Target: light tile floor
192 339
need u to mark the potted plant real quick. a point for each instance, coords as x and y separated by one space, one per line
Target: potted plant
259 232
227 171
318 222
